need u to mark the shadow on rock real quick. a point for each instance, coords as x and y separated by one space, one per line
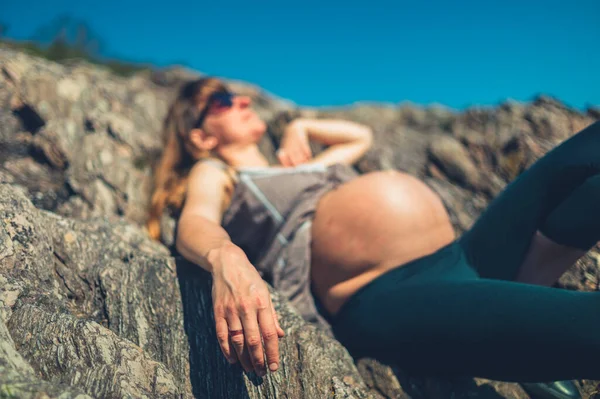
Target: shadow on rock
392 382
458 388
210 373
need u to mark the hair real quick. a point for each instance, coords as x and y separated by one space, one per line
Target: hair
179 155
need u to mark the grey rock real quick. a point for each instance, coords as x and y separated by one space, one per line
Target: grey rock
81 353
455 161
95 300
89 305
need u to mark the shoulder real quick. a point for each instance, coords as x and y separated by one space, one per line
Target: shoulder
203 173
207 189
207 179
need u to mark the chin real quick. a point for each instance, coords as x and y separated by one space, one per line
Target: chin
260 128
263 126
258 133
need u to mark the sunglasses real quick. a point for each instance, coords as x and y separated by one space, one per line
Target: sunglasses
217 102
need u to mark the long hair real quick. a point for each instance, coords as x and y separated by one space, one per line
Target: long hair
179 155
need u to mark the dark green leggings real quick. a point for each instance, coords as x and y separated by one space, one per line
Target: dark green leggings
457 312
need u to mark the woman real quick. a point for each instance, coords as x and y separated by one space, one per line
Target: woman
386 269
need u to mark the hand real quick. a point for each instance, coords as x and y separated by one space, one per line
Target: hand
295 148
242 301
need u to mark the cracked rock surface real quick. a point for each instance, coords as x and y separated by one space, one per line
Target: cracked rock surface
90 307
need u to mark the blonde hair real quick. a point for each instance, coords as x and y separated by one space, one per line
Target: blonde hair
180 154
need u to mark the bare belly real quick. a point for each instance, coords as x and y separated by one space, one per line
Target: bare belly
374 223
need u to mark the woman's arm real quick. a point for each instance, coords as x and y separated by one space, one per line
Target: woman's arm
241 299
347 141
199 231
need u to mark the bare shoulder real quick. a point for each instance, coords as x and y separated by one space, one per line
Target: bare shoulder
205 191
204 172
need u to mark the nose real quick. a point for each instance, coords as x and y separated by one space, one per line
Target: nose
244 101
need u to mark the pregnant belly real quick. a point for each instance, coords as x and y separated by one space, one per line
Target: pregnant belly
370 225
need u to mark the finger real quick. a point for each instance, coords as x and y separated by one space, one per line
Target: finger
306 157
280 331
303 153
239 341
295 157
300 156
307 151
246 359
284 158
253 338
270 336
223 338
281 157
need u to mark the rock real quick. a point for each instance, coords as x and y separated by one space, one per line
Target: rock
455 161
54 343
89 305
99 301
173 76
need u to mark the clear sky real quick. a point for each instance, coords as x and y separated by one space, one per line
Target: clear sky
457 53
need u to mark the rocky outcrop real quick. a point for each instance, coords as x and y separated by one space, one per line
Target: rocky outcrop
91 307
99 306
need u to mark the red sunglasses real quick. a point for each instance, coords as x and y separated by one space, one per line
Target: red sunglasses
217 102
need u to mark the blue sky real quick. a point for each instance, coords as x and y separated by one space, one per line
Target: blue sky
457 53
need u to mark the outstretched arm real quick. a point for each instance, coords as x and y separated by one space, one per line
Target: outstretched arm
347 141
241 299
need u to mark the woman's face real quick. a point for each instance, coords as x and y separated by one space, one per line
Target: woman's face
236 125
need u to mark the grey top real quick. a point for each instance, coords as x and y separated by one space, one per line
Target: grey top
269 217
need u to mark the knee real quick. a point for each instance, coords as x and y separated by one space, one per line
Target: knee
589 191
573 222
592 127
591 134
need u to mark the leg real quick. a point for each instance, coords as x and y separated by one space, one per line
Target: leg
566 235
546 261
472 327
497 243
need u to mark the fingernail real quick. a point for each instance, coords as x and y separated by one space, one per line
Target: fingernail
273 366
262 372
